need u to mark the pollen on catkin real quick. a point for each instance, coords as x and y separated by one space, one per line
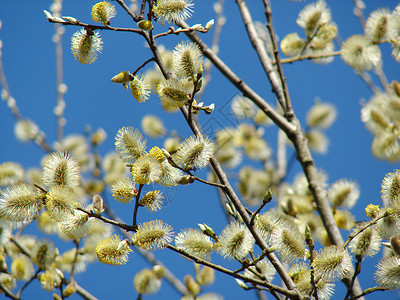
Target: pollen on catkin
146 170
21 267
195 151
140 88
172 92
85 44
194 242
360 53
61 169
152 200
153 234
19 203
113 251
102 12
129 144
11 173
173 10
60 202
123 190
187 60
236 241
332 262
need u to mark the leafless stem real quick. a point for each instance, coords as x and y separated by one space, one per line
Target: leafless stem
308 56
263 56
284 291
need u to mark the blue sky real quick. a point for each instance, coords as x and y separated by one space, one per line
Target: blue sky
28 56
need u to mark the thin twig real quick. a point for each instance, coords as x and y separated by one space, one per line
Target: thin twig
368 80
59 74
361 229
94 27
135 17
109 221
27 283
368 291
270 286
263 56
142 65
308 56
288 104
135 210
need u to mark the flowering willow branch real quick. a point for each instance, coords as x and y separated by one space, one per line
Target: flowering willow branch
229 191
217 168
269 286
308 56
294 133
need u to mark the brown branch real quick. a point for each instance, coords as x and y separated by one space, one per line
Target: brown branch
263 56
94 27
288 104
308 56
269 286
109 221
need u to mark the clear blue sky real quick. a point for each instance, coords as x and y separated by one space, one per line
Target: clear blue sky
28 55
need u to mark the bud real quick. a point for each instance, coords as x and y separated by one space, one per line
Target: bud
48 15
197 27
98 204
308 238
71 20
209 25
395 244
210 108
192 286
69 290
241 284
396 87
186 179
98 137
145 25
159 271
207 230
122 77
372 211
